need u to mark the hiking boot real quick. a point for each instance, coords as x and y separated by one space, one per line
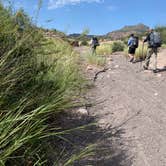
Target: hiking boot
145 67
131 60
134 61
154 70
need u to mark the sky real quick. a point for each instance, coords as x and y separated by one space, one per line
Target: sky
99 16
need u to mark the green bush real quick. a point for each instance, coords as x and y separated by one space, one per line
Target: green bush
84 43
117 46
38 76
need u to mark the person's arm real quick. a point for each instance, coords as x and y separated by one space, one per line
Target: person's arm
147 38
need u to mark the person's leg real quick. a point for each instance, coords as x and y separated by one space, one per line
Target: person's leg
155 59
134 59
147 60
131 55
93 50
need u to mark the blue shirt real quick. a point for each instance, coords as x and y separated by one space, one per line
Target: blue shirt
130 41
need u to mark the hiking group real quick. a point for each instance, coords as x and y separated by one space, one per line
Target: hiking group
154 42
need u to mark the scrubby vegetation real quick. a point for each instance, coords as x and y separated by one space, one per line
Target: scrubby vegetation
104 49
141 52
118 46
38 76
96 60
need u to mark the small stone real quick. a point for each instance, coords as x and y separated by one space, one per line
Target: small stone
116 66
156 94
159 75
82 111
89 68
110 59
109 63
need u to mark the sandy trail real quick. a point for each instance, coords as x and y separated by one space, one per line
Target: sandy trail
134 101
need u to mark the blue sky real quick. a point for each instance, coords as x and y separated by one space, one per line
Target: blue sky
99 16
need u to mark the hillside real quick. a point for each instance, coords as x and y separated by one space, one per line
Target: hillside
127 30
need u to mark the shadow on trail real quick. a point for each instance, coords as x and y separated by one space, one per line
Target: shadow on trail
161 70
108 149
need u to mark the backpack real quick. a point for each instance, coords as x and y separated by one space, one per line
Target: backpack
95 42
134 42
155 40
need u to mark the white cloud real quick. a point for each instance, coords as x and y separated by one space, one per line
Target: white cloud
60 3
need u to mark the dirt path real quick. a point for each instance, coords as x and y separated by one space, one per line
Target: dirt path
134 102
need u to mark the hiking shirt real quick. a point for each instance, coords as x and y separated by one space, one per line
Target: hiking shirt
130 41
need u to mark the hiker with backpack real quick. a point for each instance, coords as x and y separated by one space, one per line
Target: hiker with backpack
132 44
94 44
154 42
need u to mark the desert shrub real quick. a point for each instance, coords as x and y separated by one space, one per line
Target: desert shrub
38 76
117 46
95 60
84 43
104 49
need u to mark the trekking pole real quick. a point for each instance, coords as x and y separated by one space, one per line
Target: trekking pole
142 55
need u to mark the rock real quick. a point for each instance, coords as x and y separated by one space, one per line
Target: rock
89 68
156 94
159 75
116 66
110 59
82 111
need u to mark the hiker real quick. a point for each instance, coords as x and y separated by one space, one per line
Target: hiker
132 44
94 44
154 42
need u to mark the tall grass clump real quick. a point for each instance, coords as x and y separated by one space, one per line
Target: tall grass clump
96 60
141 51
104 49
38 76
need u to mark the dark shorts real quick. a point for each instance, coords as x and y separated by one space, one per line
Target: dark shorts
131 50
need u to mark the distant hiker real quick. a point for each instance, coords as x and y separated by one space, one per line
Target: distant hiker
94 44
154 42
132 44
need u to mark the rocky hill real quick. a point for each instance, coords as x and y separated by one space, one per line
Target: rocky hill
127 30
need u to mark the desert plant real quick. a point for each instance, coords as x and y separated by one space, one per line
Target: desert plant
141 52
117 46
104 49
96 60
38 76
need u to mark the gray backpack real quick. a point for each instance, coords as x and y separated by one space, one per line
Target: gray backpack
155 40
